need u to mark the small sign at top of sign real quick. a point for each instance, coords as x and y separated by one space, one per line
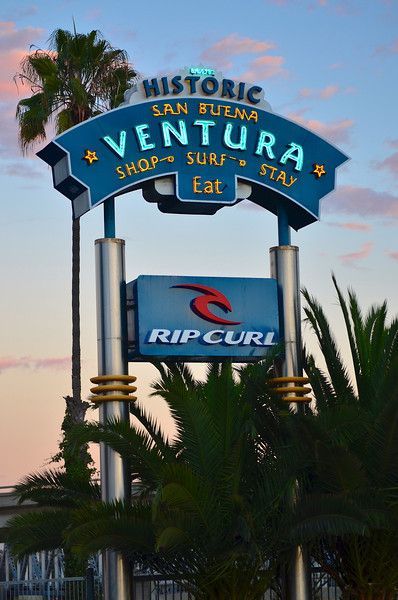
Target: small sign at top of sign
202 71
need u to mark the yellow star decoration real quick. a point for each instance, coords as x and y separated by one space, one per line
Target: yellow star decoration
90 156
319 170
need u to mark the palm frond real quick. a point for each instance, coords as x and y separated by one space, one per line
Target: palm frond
36 531
55 487
118 526
320 515
337 372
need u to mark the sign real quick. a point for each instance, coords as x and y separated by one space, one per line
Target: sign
190 141
201 318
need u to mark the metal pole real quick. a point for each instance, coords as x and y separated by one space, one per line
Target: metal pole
284 233
285 268
109 218
112 360
90 588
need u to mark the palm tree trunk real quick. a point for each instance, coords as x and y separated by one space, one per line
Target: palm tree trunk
76 408
76 355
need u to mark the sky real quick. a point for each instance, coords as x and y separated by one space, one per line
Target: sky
330 65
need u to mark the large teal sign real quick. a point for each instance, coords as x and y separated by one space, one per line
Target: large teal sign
207 137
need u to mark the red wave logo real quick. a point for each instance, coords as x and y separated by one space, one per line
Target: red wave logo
200 305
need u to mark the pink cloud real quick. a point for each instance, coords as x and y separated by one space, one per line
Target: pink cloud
316 4
26 362
12 363
52 363
391 162
310 5
393 255
9 146
264 67
328 91
391 48
343 8
9 64
14 45
280 2
261 67
9 132
233 45
94 13
323 94
353 257
337 131
355 200
12 38
352 226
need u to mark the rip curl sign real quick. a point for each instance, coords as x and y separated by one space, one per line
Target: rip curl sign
195 142
202 318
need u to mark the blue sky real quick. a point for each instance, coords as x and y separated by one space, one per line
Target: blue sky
329 65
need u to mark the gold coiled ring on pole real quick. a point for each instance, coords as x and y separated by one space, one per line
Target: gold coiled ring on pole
292 388
113 388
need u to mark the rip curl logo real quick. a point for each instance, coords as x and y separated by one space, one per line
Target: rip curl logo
200 304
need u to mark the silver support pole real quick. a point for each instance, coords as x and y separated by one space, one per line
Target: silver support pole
112 360
285 268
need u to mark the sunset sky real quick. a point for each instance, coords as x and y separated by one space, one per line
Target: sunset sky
330 65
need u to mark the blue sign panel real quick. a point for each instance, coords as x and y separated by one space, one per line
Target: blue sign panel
206 145
202 318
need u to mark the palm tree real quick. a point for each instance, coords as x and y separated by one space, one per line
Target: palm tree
77 77
348 450
211 507
58 493
208 509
